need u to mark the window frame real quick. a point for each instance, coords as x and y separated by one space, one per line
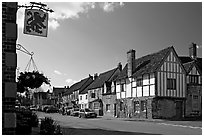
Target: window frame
171 84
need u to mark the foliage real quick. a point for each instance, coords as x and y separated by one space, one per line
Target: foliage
49 127
30 80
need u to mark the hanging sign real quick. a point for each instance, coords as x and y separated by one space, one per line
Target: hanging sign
36 22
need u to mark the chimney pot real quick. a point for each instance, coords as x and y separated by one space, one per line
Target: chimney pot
120 66
95 76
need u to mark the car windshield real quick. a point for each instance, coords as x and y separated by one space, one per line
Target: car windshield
88 110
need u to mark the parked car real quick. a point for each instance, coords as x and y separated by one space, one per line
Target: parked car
33 108
45 107
75 112
52 109
68 110
85 113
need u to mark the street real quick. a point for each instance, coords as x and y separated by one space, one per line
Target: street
103 126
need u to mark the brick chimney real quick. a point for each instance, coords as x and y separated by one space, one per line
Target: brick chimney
120 66
193 50
95 76
130 62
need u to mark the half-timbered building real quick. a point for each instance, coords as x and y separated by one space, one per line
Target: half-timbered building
152 86
193 66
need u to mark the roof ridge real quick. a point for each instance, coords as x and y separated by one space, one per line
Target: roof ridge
107 71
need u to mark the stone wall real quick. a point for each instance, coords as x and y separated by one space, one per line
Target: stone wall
109 99
9 63
190 102
132 107
168 108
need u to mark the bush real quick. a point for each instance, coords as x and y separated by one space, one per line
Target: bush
49 127
34 120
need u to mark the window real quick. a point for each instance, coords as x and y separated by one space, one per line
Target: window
86 96
107 107
195 96
139 82
171 84
193 79
122 87
143 106
93 95
113 89
108 89
96 105
80 97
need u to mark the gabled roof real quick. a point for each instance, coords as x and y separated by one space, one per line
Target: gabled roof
86 89
102 78
188 62
57 90
146 64
79 85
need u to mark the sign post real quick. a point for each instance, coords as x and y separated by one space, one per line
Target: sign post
36 22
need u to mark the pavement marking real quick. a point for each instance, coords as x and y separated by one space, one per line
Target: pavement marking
179 125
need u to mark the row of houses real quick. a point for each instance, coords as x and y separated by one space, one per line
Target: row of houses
158 85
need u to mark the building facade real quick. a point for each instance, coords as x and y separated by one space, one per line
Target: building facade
9 63
71 96
193 66
99 90
57 95
152 86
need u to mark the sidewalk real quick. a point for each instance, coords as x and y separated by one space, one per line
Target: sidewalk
164 121
35 131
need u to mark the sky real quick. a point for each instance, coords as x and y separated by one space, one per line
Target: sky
88 38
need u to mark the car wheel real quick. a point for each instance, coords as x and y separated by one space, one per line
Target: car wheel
79 116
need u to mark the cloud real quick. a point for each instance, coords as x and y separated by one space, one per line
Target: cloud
57 72
53 24
110 6
70 81
68 10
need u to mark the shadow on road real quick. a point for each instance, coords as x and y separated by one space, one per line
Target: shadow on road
80 131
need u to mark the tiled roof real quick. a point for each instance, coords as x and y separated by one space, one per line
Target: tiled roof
188 61
102 78
58 90
79 85
86 89
146 64
188 65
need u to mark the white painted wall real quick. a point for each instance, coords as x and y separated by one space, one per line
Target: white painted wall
139 91
128 88
145 90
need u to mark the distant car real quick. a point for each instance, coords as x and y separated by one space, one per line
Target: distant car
85 113
52 109
44 108
75 112
33 108
68 110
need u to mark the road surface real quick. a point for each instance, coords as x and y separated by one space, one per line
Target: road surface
100 126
